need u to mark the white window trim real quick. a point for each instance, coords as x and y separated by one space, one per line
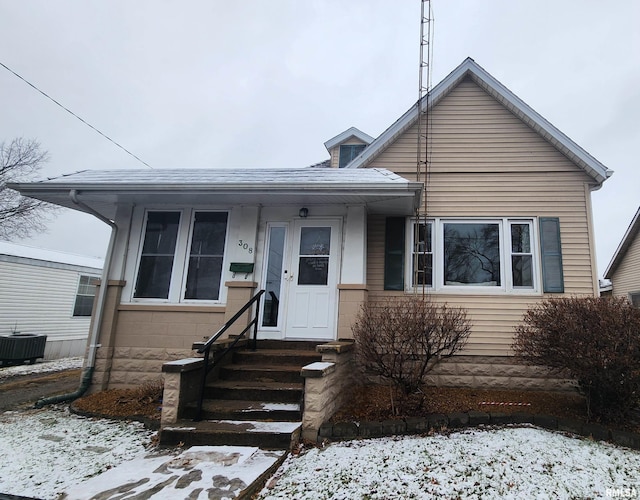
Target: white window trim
177 285
437 246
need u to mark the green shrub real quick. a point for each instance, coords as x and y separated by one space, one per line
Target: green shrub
402 339
596 341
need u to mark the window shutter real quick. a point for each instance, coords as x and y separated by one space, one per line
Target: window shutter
394 253
551 249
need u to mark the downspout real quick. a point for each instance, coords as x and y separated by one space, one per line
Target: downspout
87 372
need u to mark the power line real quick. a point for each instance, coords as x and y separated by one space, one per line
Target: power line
73 114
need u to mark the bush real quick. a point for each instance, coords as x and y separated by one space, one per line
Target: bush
597 341
402 339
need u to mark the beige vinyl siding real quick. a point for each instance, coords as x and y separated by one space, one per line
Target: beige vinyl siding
626 278
335 151
485 162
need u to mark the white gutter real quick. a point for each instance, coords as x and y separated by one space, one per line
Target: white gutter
87 371
102 292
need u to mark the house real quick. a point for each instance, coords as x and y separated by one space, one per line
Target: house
50 293
505 222
624 269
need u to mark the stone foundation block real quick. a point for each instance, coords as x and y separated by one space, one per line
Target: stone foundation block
121 352
149 354
169 416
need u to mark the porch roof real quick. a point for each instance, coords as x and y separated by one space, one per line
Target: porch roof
382 191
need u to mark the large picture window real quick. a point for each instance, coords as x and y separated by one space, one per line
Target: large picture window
494 254
182 255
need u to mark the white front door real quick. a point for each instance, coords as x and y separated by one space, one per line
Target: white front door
312 280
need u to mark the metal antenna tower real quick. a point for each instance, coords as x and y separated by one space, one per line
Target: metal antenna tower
423 143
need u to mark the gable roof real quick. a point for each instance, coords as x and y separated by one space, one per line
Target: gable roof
347 134
627 240
377 188
469 68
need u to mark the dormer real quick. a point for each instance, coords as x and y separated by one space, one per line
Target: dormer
345 147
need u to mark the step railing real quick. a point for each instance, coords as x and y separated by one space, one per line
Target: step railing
205 349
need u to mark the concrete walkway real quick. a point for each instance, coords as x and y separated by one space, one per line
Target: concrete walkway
199 472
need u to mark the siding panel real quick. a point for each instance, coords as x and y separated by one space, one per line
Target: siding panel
484 162
626 278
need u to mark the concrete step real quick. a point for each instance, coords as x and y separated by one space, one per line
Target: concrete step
278 392
265 435
304 345
261 357
234 409
261 373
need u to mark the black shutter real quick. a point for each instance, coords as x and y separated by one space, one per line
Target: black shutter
551 249
394 253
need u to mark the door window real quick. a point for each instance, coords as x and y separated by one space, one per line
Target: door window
315 247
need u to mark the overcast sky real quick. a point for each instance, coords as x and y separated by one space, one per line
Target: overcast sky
221 83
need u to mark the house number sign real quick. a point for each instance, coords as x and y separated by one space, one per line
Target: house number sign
245 246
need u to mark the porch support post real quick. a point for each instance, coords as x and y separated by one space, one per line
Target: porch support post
352 288
354 257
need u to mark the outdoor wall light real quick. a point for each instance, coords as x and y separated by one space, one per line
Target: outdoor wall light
303 212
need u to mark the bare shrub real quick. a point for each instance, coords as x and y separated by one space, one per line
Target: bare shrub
597 341
402 339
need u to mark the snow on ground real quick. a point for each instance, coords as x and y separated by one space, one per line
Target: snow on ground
47 451
494 463
50 451
41 367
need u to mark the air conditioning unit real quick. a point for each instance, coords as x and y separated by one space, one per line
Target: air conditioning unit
20 347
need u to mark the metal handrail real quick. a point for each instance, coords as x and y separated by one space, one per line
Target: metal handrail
206 347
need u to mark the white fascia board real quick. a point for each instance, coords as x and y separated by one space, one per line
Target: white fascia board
516 105
350 132
625 243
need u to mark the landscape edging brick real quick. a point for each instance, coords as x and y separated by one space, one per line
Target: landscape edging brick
438 421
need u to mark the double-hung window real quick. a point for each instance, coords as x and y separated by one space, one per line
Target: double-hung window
182 255
485 255
85 295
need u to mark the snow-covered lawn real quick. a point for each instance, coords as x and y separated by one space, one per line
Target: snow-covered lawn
49 451
44 452
493 463
40 367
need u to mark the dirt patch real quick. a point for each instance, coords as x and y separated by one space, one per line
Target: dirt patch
142 403
373 403
25 390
